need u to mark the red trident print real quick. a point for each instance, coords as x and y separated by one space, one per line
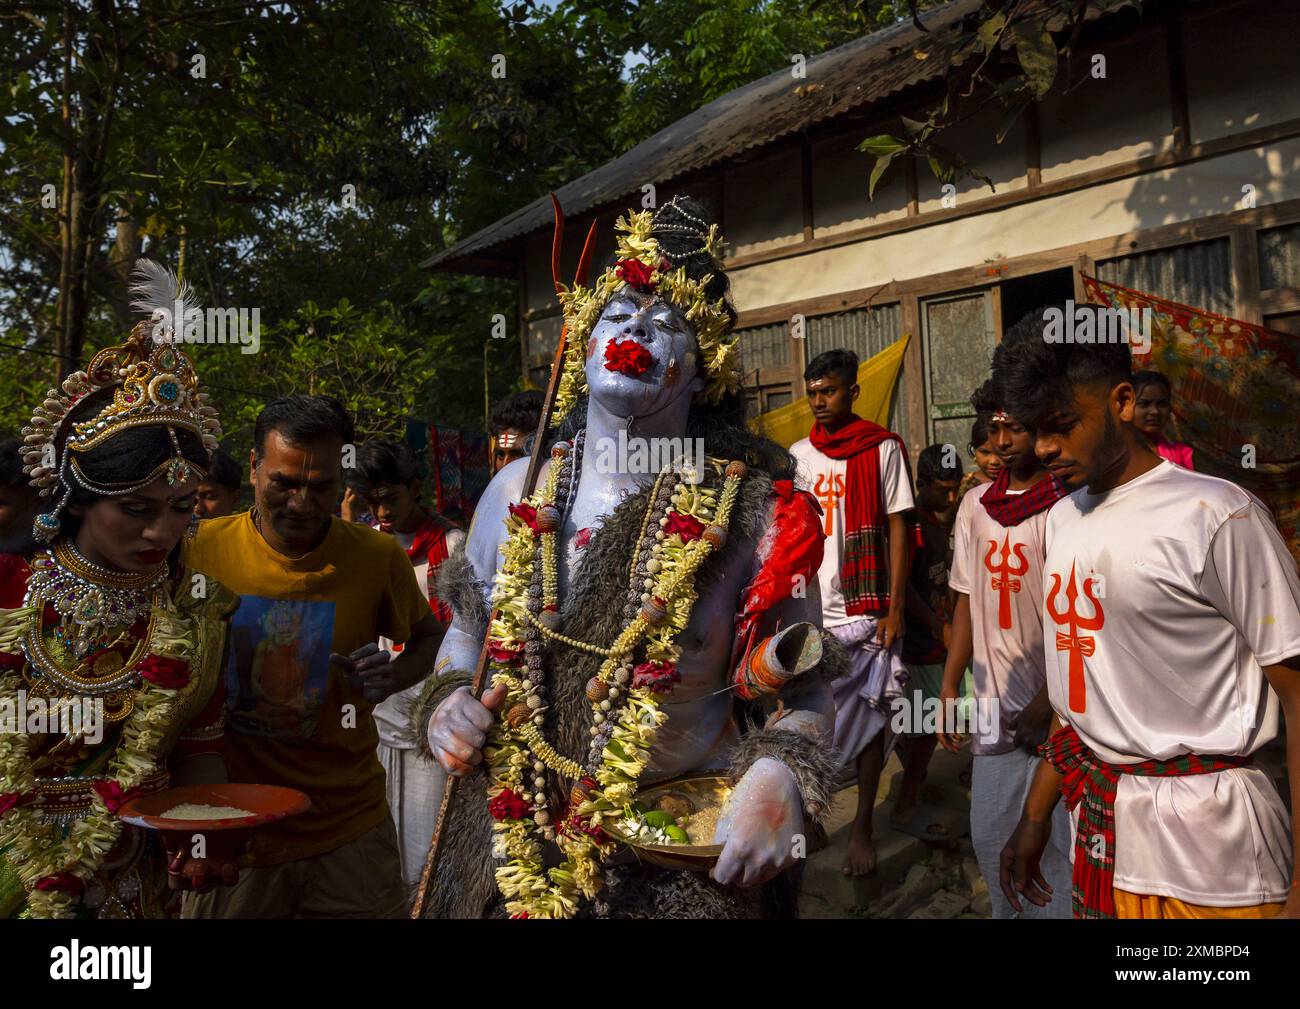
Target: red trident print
1006 579
828 489
1077 647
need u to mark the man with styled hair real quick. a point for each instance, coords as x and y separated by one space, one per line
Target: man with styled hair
513 422
1172 619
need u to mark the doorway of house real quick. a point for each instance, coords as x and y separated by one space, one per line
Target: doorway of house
1026 294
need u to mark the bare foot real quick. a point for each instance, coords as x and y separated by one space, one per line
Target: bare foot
861 860
902 811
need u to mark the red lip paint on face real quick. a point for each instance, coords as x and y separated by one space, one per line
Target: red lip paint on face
151 556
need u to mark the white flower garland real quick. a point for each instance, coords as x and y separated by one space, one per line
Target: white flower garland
35 846
512 750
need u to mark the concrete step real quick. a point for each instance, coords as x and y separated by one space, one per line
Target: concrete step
827 892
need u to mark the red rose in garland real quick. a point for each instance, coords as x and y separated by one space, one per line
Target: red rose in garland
526 512
64 881
627 357
8 800
585 826
161 671
508 805
660 677
634 273
688 527
112 794
504 654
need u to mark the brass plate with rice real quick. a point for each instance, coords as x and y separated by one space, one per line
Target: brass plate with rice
705 797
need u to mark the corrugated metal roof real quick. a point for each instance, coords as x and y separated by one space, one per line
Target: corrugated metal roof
852 75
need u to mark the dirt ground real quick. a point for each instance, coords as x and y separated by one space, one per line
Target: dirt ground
914 878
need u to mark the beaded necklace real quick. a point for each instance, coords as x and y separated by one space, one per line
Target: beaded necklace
682 524
95 605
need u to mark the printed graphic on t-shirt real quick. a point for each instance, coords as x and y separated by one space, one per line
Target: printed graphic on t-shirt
1006 574
278 667
828 488
1074 621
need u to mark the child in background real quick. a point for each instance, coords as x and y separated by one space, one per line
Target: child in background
997 630
988 467
386 480
1151 413
928 618
218 493
860 472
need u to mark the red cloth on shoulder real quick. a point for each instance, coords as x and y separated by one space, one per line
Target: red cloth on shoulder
794 545
864 568
430 543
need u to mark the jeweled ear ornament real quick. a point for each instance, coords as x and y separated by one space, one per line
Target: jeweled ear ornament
47 525
192 529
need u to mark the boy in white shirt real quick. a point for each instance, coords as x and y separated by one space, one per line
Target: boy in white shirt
997 630
1173 612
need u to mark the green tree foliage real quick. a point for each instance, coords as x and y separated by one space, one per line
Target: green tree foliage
304 157
1007 55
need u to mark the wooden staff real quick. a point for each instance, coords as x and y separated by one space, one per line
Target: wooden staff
530 484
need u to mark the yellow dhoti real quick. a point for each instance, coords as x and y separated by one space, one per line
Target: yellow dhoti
1145 905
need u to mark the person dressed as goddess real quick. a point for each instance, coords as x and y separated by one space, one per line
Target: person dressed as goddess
110 649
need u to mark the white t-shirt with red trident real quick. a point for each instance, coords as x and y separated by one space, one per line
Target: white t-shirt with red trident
826 479
1163 599
1001 569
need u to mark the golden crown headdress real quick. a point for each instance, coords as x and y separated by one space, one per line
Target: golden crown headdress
154 383
645 265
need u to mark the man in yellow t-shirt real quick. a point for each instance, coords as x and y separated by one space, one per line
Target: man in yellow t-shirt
303 673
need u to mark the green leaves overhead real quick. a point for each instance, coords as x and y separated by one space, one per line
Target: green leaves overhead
1005 57
1038 57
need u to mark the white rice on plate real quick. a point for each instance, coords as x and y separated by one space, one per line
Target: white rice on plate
199 811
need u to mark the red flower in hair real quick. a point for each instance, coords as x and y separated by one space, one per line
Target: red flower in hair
688 527
164 672
627 357
64 881
503 653
508 805
526 512
635 273
660 677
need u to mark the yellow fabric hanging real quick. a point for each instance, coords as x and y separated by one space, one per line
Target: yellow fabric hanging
877 378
